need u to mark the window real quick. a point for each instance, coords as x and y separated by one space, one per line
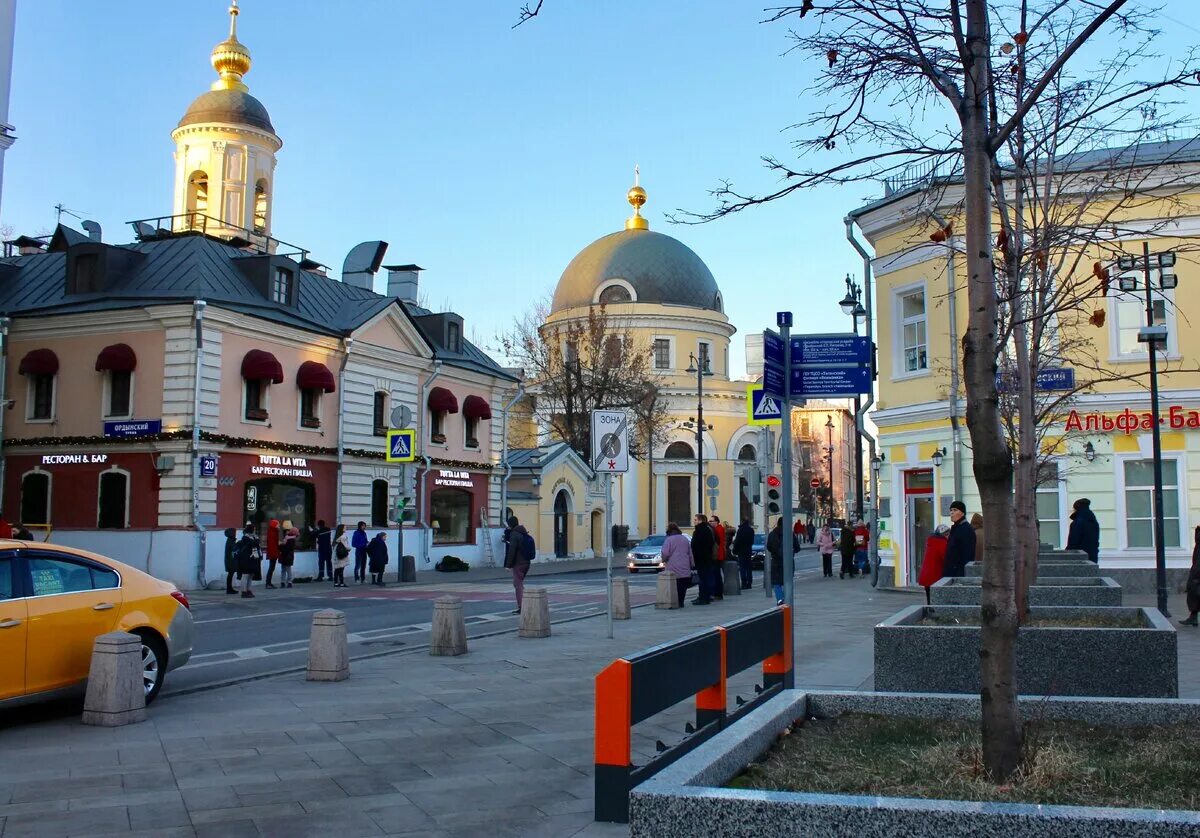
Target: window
284 500
310 407
256 400
437 426
679 451
613 346
379 503
35 498
260 206
379 413
1048 502
54 575
86 278
453 337
7 588
1128 310
450 516
197 200
120 393
615 294
914 350
41 397
571 351
113 511
747 453
705 353
662 353
1139 503
471 427
281 287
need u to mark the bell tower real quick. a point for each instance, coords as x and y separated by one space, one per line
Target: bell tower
225 148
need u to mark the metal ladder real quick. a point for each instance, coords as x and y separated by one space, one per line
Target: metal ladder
489 551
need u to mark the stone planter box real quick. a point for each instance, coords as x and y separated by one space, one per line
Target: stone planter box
1134 662
1062 556
1052 590
1071 567
688 798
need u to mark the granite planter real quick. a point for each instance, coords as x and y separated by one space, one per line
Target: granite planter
1071 567
1051 590
688 797
1079 661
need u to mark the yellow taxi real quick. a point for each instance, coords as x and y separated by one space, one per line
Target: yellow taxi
54 602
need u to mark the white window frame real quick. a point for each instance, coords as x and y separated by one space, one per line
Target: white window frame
387 404
320 411
430 412
49 492
670 353
1115 296
106 398
265 403
29 418
633 297
290 285
128 491
1061 490
899 373
1181 487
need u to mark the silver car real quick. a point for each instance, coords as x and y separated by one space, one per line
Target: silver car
647 555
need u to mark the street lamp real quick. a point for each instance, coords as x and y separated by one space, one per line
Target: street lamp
1089 452
829 449
851 306
938 455
877 462
701 369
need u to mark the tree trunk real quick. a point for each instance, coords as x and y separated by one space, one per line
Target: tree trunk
1001 721
1028 457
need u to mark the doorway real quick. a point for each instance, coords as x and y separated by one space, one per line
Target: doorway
919 512
679 499
561 511
598 533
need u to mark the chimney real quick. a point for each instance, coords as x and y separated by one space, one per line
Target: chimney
361 264
93 230
403 282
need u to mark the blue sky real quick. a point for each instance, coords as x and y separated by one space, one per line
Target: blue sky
490 156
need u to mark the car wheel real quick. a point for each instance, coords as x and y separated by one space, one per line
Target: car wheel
633 570
154 665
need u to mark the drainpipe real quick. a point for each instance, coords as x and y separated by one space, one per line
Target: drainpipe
868 295
504 452
955 423
198 310
5 323
437 370
347 343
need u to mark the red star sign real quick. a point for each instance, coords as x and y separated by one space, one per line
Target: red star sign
612 464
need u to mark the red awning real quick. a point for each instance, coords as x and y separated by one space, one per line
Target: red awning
314 375
474 407
116 358
442 399
39 362
259 365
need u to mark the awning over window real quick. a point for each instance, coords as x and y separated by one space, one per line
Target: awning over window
474 407
314 375
39 362
443 400
259 365
116 358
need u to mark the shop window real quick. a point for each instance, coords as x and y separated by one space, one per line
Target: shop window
1139 503
35 498
283 500
41 397
52 575
471 429
1048 502
113 506
437 426
679 451
913 321
379 413
450 516
662 353
120 394
310 407
256 400
379 503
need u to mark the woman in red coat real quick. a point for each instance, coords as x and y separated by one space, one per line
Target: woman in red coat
934 560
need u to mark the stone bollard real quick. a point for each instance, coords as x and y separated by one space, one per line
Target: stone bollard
535 614
667 595
116 694
408 569
449 633
328 652
732 577
620 599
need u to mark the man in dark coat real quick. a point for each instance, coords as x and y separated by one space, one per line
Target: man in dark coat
743 547
324 538
515 557
1193 586
960 543
703 542
230 558
248 555
1084 533
377 556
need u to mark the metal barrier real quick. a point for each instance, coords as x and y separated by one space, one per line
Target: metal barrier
634 688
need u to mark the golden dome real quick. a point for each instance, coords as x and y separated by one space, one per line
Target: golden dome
230 58
637 199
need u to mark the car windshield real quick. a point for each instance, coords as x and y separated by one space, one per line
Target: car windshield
652 541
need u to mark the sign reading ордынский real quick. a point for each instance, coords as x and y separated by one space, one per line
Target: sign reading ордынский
133 427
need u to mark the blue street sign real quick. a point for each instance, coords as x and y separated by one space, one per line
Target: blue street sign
401 445
773 380
208 466
772 347
830 382
133 427
830 349
1052 378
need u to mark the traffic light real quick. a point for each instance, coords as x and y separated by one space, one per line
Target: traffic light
773 496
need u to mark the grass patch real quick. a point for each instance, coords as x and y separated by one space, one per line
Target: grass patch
1126 620
1070 763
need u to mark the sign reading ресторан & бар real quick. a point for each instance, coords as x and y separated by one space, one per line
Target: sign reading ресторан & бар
73 459
273 465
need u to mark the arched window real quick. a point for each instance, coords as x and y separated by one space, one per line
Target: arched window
35 498
719 302
379 503
197 199
260 206
679 451
615 294
747 453
113 508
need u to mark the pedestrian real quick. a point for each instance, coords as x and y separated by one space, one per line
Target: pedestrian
703 558
341 555
934 562
825 547
1193 585
249 560
272 550
324 539
22 533
1084 533
743 548
960 543
846 548
517 556
775 551
288 535
977 525
377 553
359 542
230 558
862 542
677 558
812 532
719 569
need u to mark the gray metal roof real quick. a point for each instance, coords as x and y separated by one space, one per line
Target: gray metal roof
232 106
524 457
469 355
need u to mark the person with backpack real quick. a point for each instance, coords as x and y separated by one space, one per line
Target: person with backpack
377 552
248 556
359 542
324 538
341 555
518 553
704 558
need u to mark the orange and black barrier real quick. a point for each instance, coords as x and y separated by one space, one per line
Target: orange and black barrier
639 686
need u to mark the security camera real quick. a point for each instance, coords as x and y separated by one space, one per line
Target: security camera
8 403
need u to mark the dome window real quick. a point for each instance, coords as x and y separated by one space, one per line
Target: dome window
616 292
718 303
679 451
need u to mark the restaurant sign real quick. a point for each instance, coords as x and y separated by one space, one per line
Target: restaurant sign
275 466
461 479
73 459
1128 421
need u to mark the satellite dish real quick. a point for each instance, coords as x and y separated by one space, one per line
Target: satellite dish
401 416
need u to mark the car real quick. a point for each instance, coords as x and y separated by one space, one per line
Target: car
647 554
758 551
55 601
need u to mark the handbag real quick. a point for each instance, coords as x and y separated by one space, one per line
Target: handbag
694 579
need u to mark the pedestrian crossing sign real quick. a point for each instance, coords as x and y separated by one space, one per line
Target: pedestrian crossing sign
762 408
401 445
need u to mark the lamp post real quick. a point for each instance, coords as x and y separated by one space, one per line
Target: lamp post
701 369
852 307
829 449
1154 336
